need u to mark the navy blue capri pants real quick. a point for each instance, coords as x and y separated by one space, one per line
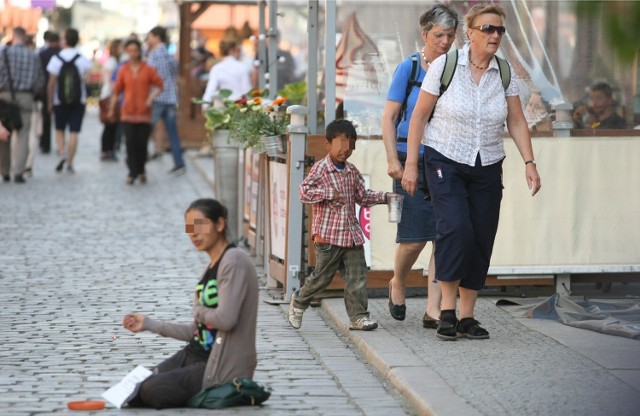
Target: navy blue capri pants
466 200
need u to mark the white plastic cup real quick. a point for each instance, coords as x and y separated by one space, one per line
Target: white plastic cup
395 207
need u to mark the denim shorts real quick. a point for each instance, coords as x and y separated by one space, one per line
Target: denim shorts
69 115
418 223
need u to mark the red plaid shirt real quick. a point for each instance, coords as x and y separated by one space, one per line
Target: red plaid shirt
335 221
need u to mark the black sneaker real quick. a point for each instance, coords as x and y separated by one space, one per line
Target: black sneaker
6 178
470 328
19 179
177 171
60 164
155 156
447 328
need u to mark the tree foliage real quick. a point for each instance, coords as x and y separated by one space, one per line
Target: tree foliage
620 22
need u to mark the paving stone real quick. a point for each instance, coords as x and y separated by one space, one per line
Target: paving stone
79 251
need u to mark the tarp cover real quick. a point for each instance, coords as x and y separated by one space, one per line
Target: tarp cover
609 316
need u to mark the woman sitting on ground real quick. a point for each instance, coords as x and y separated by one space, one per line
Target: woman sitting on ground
221 338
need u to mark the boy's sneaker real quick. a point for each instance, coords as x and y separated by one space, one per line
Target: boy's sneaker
364 323
294 315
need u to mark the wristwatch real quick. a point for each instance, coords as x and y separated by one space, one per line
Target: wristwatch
530 161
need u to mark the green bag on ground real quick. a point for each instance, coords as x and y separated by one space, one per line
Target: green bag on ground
238 392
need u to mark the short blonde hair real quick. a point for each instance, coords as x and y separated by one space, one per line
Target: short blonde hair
482 8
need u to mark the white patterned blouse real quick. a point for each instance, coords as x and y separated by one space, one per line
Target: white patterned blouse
468 118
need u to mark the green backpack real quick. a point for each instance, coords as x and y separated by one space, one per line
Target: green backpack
450 68
238 392
451 62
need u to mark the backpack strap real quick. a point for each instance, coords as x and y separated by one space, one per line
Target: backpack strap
75 57
451 62
505 72
412 82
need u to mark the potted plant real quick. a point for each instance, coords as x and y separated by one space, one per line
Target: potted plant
218 115
257 119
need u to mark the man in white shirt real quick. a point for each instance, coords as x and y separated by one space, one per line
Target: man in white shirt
67 114
231 73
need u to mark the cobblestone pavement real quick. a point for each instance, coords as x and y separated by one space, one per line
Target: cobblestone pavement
79 251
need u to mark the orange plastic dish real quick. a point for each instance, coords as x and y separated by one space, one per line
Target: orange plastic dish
86 405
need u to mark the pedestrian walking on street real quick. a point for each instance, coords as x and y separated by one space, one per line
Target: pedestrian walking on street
67 94
334 186
140 84
110 130
418 223
165 105
464 163
21 77
221 338
51 47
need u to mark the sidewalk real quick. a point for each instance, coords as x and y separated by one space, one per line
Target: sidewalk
528 366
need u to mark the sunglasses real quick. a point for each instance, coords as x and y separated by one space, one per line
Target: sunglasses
490 29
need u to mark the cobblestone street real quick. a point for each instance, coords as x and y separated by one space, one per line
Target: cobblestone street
79 251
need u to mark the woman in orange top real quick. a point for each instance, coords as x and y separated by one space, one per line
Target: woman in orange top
140 84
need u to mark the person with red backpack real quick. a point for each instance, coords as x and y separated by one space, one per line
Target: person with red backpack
67 96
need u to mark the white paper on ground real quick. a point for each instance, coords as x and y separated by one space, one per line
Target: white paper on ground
124 390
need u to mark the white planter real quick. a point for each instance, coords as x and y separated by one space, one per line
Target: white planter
226 162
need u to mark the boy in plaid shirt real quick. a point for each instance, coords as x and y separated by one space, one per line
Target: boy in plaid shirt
334 186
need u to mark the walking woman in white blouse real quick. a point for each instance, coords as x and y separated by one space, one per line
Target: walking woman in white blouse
463 157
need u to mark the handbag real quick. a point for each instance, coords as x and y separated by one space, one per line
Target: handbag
240 391
104 112
14 121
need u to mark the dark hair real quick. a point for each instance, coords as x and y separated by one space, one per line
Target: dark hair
114 48
19 32
47 35
210 208
439 15
54 38
338 127
133 42
603 87
160 32
71 37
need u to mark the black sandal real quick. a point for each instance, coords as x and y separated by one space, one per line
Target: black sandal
447 328
429 322
398 312
470 328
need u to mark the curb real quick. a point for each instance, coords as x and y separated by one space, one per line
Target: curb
427 392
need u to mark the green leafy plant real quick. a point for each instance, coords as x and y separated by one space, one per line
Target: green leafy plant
296 92
256 118
219 115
